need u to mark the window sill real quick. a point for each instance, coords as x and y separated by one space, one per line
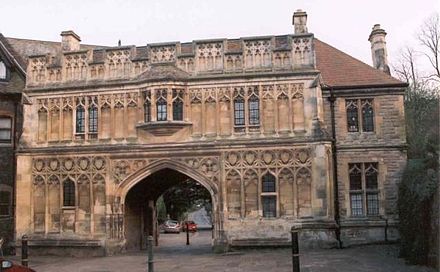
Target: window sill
163 128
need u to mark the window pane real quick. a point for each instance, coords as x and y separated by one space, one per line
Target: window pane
352 115
177 110
268 183
80 119
6 122
5 134
93 119
5 202
372 204
5 197
371 175
161 110
269 206
355 176
239 112
2 70
68 193
254 111
356 204
367 115
147 111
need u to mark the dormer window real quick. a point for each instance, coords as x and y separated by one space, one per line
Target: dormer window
2 70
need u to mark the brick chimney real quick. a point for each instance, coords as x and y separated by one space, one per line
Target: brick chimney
300 21
70 41
379 49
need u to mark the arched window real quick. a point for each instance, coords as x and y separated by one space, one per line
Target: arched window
254 110
352 115
161 109
147 111
2 70
68 193
268 195
80 119
239 111
367 115
268 183
177 110
93 119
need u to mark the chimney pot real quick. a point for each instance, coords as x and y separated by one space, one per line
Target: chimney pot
300 21
379 49
70 41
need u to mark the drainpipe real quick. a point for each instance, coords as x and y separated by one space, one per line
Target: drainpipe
14 169
332 100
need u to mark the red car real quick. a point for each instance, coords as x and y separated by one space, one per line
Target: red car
192 226
8 266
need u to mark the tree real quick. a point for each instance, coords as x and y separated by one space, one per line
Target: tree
429 38
186 197
419 186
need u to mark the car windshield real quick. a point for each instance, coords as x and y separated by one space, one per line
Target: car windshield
171 222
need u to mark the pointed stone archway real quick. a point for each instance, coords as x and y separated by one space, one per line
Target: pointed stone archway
168 166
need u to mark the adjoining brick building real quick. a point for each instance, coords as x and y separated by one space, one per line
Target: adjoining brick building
281 130
12 83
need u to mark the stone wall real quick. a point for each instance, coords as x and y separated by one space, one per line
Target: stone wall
272 53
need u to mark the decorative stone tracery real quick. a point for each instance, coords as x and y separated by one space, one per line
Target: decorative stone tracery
292 168
88 174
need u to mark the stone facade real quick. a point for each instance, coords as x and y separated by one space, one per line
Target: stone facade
234 115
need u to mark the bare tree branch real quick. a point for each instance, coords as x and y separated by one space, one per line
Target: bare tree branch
429 38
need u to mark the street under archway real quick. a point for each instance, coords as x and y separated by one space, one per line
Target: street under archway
140 208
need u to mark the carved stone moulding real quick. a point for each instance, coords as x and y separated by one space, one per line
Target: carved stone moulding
164 128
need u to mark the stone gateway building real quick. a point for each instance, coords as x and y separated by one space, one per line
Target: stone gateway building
281 130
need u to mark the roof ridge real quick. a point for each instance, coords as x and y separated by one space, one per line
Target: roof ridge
46 41
12 54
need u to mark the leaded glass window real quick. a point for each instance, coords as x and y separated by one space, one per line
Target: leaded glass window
356 204
352 115
364 191
68 193
364 109
93 119
147 111
239 111
268 183
254 110
80 119
367 115
269 206
161 109
177 105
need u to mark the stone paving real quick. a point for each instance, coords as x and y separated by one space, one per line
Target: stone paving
174 255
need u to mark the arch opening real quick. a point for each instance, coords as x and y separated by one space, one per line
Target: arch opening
166 188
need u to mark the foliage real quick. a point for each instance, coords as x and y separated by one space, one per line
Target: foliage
161 210
420 179
186 197
419 184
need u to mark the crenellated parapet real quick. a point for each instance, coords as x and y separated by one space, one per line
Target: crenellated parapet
197 58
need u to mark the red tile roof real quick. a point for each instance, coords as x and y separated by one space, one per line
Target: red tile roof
340 70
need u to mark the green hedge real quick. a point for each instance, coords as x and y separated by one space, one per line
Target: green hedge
416 193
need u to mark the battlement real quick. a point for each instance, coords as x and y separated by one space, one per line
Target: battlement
200 57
